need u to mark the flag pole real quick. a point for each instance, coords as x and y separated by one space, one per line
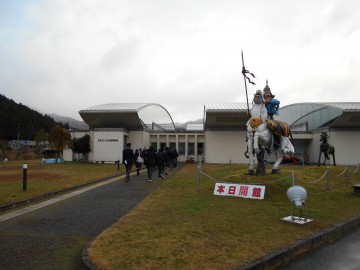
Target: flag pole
244 72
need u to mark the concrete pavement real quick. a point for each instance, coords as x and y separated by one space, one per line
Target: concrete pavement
53 234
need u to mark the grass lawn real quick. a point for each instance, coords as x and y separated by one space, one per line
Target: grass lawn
45 178
177 227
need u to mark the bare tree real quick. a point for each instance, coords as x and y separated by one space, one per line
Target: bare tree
60 139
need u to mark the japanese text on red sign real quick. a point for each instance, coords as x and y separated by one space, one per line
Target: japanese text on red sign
240 190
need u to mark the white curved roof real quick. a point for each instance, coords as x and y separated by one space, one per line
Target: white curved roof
344 105
132 116
322 115
129 107
340 105
228 106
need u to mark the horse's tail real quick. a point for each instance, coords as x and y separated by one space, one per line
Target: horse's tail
292 140
246 152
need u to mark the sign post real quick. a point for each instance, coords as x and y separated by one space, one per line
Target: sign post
24 176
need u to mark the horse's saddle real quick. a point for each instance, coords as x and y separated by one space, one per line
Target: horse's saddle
280 128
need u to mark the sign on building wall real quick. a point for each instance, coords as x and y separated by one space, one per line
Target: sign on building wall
240 190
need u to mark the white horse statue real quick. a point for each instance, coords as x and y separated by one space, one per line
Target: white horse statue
260 137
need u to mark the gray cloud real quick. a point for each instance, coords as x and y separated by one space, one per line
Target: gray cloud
62 56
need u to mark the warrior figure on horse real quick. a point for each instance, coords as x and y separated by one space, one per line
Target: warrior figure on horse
266 134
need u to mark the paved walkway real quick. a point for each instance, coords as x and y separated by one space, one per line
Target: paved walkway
52 234
341 255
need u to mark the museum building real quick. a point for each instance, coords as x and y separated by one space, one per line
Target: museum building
221 137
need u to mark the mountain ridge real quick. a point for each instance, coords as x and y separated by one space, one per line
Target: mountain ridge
73 123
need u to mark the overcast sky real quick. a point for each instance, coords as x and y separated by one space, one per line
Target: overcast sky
61 56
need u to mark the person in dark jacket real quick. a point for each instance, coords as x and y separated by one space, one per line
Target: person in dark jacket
150 160
138 160
169 157
175 155
128 160
160 162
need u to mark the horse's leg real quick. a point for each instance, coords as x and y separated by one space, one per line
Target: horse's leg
319 158
260 170
279 156
286 145
333 154
256 143
251 154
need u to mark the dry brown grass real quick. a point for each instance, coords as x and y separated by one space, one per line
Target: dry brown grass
45 178
179 228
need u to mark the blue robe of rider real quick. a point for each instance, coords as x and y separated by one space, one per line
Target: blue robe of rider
271 104
272 107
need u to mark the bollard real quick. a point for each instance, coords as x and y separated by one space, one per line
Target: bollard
198 171
197 178
24 176
118 163
293 177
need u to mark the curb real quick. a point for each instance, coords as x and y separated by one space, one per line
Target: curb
84 256
282 257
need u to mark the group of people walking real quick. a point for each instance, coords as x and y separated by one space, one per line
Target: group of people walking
162 161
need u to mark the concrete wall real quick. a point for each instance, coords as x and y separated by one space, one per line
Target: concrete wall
347 147
225 147
219 146
139 139
107 145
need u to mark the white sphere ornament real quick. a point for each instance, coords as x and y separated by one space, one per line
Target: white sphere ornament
297 195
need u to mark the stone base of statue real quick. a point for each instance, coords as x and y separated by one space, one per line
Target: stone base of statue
251 172
297 220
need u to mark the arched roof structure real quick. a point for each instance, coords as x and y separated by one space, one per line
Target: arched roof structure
132 116
225 116
300 116
312 116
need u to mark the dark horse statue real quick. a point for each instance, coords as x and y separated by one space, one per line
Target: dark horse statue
326 148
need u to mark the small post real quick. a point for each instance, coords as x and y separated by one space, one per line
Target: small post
293 177
328 177
118 163
24 176
198 169
346 172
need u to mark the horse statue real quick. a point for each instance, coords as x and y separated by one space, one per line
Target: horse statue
326 148
266 134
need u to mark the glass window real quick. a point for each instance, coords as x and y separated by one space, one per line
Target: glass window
162 145
156 117
181 149
154 145
200 148
172 145
191 148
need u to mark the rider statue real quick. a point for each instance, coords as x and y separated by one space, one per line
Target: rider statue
271 104
272 108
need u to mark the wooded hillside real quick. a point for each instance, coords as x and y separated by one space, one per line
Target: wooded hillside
19 121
